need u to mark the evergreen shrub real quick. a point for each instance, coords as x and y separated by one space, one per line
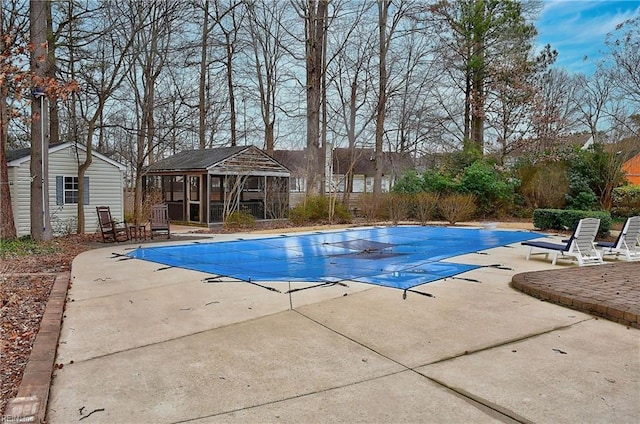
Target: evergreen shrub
626 201
567 219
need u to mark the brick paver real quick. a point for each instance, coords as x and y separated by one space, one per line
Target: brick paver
611 291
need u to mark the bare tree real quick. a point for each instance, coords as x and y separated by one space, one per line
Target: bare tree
153 50
12 26
386 32
512 89
592 98
229 19
101 71
554 112
624 48
351 75
267 35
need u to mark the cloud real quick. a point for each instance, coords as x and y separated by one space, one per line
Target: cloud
578 29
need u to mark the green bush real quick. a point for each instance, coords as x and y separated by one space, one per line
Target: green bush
594 170
410 182
580 195
626 201
457 207
436 182
567 219
494 194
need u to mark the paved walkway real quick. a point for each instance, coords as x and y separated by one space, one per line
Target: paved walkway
142 343
610 291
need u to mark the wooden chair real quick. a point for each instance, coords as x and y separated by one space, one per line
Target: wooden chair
112 231
159 222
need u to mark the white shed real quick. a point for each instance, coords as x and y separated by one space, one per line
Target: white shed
104 183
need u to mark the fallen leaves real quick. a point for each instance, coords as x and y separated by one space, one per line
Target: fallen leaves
25 284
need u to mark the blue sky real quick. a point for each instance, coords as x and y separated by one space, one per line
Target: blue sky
578 28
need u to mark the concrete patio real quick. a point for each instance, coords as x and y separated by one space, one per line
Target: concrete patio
144 344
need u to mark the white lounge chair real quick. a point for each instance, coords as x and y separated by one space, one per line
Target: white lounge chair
627 245
580 246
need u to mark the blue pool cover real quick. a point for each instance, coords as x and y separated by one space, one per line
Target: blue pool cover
400 257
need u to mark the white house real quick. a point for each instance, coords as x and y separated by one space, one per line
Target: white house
104 183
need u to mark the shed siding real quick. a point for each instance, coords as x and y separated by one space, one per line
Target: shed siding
105 188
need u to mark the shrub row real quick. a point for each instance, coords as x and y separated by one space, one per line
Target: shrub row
567 219
422 207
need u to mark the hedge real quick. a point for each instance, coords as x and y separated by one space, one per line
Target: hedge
567 219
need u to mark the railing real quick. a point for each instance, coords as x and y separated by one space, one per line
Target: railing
216 210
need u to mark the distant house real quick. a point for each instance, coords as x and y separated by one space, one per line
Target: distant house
632 168
359 161
581 141
103 182
203 186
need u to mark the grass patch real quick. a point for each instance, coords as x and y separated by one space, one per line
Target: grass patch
25 246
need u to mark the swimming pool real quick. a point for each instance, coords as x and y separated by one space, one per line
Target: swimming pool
399 256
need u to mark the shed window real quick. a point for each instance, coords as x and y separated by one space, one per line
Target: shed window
70 190
67 190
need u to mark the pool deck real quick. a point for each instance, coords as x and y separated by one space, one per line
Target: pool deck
140 343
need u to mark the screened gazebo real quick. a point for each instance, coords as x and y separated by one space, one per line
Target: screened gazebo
204 186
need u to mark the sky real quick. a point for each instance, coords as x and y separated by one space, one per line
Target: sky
578 29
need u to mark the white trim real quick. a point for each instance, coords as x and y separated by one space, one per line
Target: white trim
69 144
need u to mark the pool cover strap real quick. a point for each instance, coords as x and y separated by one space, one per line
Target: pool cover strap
400 257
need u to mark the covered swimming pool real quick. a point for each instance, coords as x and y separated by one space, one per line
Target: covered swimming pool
400 256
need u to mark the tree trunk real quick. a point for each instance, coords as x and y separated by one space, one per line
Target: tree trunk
383 13
316 15
477 97
269 137
232 99
202 89
39 207
82 170
54 121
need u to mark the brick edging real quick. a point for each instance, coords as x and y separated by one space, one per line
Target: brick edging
30 405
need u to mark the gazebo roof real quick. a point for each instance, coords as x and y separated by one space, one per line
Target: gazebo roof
235 160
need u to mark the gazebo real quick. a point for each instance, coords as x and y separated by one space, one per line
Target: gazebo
204 186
